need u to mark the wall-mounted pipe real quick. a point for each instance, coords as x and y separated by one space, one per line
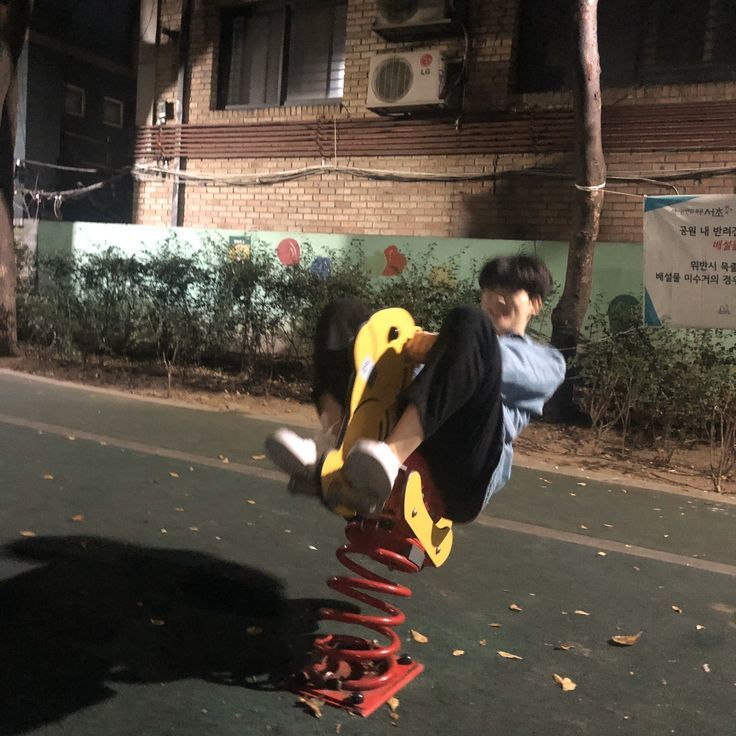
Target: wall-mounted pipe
148 35
177 193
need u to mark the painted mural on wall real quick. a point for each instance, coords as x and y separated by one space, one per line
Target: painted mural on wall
618 267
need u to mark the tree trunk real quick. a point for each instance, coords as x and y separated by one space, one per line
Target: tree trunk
568 315
14 17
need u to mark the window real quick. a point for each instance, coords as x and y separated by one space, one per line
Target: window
283 53
112 112
74 101
543 46
722 32
640 42
680 32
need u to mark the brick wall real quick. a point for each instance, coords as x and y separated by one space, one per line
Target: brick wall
517 207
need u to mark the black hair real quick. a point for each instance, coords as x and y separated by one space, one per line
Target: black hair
517 272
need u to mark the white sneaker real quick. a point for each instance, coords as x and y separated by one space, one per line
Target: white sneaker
372 467
295 455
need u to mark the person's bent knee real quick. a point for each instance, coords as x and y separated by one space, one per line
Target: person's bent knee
467 317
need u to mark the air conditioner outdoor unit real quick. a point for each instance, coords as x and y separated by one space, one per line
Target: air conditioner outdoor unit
407 81
403 19
411 12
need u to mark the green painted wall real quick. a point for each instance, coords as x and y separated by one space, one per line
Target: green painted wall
618 267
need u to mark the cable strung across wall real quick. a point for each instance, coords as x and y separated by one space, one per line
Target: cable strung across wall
155 171
146 171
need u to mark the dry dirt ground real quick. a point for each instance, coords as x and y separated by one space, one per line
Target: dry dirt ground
563 449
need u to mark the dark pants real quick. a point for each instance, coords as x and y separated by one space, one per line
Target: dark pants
457 395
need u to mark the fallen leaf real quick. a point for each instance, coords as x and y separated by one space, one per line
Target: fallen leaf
508 655
565 683
313 704
580 612
258 457
78 517
393 704
173 474
514 607
28 534
565 647
458 652
676 609
418 637
495 626
48 476
625 640
254 630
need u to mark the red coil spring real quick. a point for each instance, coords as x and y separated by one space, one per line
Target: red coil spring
358 663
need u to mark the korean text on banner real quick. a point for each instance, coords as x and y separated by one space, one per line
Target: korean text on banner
690 261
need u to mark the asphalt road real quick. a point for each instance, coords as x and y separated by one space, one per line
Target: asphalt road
147 586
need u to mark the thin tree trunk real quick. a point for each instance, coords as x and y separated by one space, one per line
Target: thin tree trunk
14 17
568 315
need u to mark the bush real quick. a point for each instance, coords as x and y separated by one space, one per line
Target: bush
47 313
302 291
244 311
659 386
428 289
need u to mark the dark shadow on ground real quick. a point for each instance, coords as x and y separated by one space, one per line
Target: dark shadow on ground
96 612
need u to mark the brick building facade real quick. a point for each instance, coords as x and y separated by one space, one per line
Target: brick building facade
671 109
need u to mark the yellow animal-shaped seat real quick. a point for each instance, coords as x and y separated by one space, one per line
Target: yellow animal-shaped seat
381 373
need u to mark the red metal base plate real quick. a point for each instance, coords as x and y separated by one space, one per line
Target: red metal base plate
372 699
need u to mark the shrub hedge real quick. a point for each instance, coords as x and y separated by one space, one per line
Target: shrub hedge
246 312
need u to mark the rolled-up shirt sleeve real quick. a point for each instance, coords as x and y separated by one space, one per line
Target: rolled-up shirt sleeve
530 373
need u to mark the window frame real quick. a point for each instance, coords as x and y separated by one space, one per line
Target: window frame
83 96
648 70
225 49
121 107
706 71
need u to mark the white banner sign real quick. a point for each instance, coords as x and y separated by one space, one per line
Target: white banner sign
690 261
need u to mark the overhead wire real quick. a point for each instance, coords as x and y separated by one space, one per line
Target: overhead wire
147 170
663 179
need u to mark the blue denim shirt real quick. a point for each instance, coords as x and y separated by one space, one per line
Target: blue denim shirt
530 373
